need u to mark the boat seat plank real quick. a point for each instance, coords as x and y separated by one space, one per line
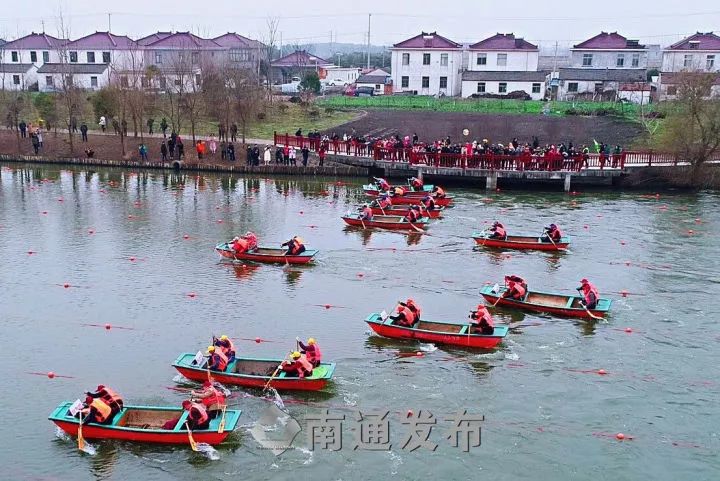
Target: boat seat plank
387 218
439 327
268 252
546 299
145 419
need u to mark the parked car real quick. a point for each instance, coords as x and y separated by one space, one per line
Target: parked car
338 82
364 92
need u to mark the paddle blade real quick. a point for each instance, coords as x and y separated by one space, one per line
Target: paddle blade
193 444
221 428
383 315
81 440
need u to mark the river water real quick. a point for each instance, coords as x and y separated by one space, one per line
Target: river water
118 239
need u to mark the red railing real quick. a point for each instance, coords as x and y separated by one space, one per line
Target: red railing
521 162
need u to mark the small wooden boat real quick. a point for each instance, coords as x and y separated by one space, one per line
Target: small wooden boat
520 242
373 189
144 424
559 304
435 213
254 372
391 222
266 254
455 334
416 199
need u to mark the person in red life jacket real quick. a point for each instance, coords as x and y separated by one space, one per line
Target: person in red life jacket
239 245
311 351
96 411
198 417
413 214
397 192
298 367
516 288
438 192
497 231
210 397
482 320
414 308
382 184
111 398
416 184
428 202
590 294
251 239
226 346
217 361
405 316
551 232
295 246
383 202
366 212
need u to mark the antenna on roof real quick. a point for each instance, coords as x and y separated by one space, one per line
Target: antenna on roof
43 26
109 21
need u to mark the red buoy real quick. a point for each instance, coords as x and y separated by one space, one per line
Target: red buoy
622 242
258 340
108 326
620 436
130 216
360 274
301 212
624 293
628 330
698 221
691 232
327 306
91 232
44 212
419 354
132 259
602 372
66 285
586 226
186 236
60 199
627 263
191 294
219 221
31 253
409 413
50 374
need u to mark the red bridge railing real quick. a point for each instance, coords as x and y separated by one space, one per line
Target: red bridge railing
520 162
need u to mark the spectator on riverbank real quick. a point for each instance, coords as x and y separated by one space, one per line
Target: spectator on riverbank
73 125
23 129
83 132
212 145
305 154
35 142
164 126
233 132
267 155
150 123
200 149
292 159
89 153
123 124
163 150
39 135
222 131
231 152
279 155
180 148
143 151
223 150
321 155
116 126
102 123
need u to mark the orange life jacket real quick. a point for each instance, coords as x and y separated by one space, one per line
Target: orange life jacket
111 397
412 215
408 313
304 367
556 234
201 411
102 410
240 245
367 213
416 183
384 203
399 191
251 241
383 184
428 202
414 308
500 231
216 398
313 355
481 315
518 287
587 289
439 192
222 365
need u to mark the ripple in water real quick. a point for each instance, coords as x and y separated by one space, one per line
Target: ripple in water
208 451
428 347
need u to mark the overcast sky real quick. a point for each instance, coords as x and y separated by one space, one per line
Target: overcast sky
566 21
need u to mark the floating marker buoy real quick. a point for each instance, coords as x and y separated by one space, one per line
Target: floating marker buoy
50 375
60 199
691 232
108 326
301 212
620 436
130 216
219 221
327 306
186 236
419 354
627 263
132 259
360 274
258 340
409 413
66 285
602 372
31 253
191 294
698 221
91 232
44 212
624 293
628 330
622 243
586 226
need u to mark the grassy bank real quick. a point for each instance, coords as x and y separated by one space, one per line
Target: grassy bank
489 106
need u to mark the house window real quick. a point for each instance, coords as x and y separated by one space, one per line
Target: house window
572 87
536 88
239 55
106 57
481 59
49 80
14 56
46 56
443 59
710 62
16 80
198 79
163 83
694 44
177 82
404 82
443 82
195 58
406 59
68 80
73 57
377 87
502 87
620 62
502 59
158 58
93 81
481 87
426 82
672 90
636 60
90 57
587 60
33 56
426 59
687 61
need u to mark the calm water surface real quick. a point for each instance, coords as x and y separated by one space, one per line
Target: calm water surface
548 415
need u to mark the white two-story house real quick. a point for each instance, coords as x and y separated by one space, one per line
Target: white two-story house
427 64
603 67
697 53
22 57
502 64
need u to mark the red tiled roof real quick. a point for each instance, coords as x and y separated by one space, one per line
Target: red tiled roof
428 40
34 40
103 40
153 37
183 40
609 41
706 41
503 41
300 58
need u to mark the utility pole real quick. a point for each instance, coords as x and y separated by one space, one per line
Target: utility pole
368 44
109 22
280 45
555 58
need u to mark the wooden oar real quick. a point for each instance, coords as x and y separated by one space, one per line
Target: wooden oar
274 374
498 299
193 444
221 428
361 221
81 440
590 313
550 237
416 228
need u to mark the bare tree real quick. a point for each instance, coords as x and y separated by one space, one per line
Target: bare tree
270 40
70 94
